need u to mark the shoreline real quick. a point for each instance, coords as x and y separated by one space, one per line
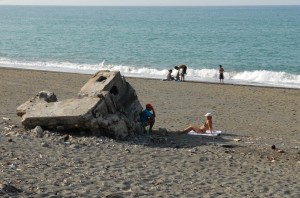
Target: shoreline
239 163
192 81
232 84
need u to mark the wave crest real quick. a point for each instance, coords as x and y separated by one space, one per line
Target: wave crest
257 77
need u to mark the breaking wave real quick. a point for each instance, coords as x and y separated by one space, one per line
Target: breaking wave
257 77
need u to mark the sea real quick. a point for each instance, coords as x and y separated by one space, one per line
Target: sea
256 45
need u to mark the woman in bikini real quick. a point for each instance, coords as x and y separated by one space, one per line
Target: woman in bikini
203 128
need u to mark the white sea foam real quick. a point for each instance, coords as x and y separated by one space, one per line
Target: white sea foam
258 77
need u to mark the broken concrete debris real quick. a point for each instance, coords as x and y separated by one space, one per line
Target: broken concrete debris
105 105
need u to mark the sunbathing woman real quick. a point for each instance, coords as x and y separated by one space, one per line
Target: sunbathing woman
203 128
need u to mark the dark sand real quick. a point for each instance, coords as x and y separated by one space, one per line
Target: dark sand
165 165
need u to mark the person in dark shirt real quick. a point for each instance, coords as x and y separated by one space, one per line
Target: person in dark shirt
221 74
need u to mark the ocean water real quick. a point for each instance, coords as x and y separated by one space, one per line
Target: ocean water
256 45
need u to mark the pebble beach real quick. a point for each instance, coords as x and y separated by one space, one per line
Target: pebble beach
257 154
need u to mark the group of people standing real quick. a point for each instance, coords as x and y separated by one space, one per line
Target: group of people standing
180 73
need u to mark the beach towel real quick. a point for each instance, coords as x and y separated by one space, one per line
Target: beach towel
207 133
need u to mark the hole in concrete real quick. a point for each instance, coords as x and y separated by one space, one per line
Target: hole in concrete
101 78
114 90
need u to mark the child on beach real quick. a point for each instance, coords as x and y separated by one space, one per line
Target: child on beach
169 76
181 72
176 73
147 117
203 128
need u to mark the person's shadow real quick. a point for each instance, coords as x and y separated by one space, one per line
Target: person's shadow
162 138
173 139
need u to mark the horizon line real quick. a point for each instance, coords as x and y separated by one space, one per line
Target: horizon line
151 5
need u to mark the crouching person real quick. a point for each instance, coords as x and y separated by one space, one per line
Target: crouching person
147 117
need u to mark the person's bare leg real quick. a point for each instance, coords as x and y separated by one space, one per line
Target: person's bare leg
150 128
188 129
151 122
192 128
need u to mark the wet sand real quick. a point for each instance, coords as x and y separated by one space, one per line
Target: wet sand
239 163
